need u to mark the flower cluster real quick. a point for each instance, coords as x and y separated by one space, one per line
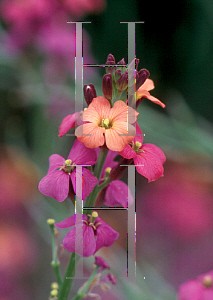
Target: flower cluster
107 128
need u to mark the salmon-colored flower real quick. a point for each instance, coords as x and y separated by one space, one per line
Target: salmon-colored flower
107 125
143 91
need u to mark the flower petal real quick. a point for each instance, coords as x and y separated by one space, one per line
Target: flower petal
55 161
148 85
95 136
121 112
143 93
69 122
149 162
117 137
81 155
190 290
56 185
69 222
109 162
98 109
73 243
117 194
86 182
128 152
106 235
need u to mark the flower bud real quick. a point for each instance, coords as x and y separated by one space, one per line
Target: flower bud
141 77
107 86
89 93
118 171
110 61
122 82
123 68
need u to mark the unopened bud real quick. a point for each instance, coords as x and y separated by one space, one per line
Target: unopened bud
89 93
107 86
50 221
118 171
123 68
118 74
141 77
122 82
110 61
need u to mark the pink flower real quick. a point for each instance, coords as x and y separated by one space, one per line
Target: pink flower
143 91
116 193
96 234
106 125
83 7
101 263
148 158
200 288
56 183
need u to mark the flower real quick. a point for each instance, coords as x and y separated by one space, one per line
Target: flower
101 263
200 288
116 192
147 158
106 125
143 91
56 183
96 234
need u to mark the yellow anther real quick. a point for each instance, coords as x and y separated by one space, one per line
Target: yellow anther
85 108
94 214
50 221
207 281
138 144
108 170
106 122
54 292
68 162
54 286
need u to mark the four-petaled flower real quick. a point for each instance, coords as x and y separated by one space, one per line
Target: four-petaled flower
148 158
200 288
107 125
61 173
95 233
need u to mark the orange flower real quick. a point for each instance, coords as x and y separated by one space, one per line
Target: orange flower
106 124
143 91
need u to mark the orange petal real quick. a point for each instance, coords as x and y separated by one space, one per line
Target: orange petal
146 94
95 137
122 112
148 85
117 137
98 109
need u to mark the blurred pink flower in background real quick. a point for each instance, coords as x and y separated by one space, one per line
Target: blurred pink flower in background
200 288
84 7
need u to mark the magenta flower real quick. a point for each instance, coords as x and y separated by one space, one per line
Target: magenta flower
101 263
61 173
69 122
96 234
200 288
116 193
148 158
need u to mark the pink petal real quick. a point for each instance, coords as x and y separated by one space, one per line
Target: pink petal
69 222
148 85
69 122
87 182
73 243
191 290
82 155
128 152
148 166
106 235
155 151
139 135
56 185
95 134
55 161
117 194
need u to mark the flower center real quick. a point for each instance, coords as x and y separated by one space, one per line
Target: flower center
91 220
207 281
105 123
136 147
68 166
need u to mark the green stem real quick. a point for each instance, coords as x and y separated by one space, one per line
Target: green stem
67 282
55 263
86 287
